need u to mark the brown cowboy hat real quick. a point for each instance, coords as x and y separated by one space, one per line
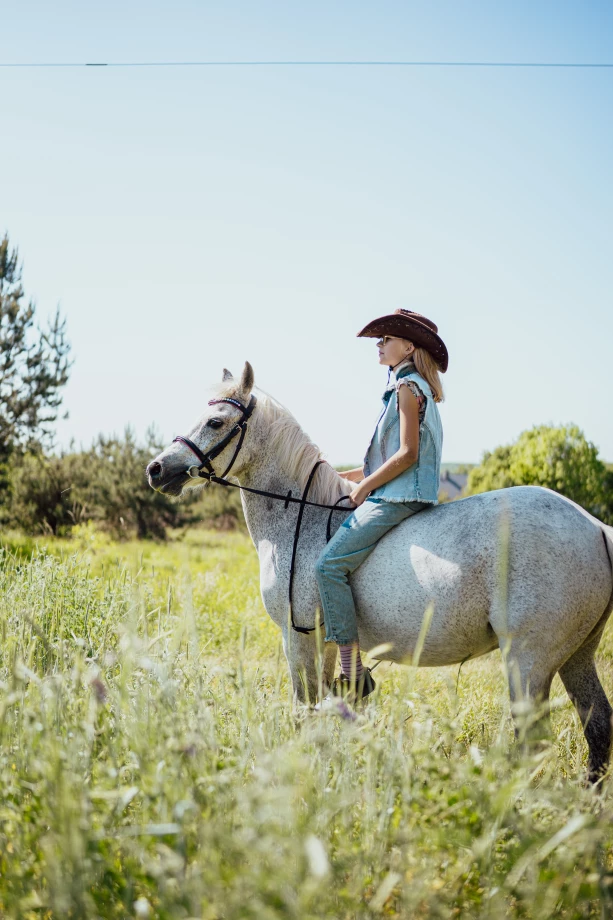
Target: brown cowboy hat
413 326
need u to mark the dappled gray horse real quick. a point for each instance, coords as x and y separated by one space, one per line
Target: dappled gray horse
521 569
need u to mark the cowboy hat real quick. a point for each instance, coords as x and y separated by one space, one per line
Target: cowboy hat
413 326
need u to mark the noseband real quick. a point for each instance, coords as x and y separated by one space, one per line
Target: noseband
206 471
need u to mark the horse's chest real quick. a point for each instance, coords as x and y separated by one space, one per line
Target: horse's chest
275 563
268 565
271 579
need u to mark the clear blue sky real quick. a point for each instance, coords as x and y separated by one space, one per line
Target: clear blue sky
187 219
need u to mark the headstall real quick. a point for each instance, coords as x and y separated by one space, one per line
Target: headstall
206 471
239 429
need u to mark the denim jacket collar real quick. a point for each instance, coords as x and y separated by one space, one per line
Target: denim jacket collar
406 367
402 370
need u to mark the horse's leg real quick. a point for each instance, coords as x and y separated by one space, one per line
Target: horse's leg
583 686
529 685
307 665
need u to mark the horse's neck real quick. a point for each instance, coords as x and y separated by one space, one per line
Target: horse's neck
268 519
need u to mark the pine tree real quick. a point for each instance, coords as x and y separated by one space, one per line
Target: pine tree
34 364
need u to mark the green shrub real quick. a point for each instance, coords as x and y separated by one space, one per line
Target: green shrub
43 490
107 485
561 459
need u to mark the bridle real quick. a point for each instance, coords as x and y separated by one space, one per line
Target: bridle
239 429
206 471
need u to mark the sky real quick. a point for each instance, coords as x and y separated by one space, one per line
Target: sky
189 219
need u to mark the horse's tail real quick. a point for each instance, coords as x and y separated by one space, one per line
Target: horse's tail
607 533
596 633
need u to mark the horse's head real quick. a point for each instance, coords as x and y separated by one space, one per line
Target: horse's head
169 472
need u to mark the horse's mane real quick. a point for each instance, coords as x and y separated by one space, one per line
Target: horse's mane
295 451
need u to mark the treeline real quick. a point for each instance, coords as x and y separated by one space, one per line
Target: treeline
106 484
42 491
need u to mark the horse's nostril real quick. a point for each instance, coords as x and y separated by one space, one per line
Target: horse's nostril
154 469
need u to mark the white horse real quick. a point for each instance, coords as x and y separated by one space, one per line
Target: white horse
521 569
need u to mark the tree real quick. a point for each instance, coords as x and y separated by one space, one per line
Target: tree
607 505
118 494
561 459
105 484
46 493
34 364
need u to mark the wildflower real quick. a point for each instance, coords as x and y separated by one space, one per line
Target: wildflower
100 691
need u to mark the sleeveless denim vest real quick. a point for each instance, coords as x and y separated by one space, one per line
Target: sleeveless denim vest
421 481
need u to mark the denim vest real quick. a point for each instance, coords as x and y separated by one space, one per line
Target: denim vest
421 481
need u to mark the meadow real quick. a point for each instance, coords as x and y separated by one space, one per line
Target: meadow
151 764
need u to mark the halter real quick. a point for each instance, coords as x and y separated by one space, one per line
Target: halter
206 471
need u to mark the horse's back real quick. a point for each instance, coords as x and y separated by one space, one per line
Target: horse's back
525 519
491 564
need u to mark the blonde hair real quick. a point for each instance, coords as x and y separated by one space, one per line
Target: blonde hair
428 368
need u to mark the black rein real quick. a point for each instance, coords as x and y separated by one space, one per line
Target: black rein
206 471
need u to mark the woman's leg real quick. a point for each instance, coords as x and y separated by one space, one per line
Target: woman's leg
349 547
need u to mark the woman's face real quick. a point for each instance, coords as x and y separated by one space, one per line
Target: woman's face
393 350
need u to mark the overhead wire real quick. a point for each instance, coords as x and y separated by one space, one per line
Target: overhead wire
498 64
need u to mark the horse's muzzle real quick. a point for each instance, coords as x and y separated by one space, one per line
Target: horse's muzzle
164 481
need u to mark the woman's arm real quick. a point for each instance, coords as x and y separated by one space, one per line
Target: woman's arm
356 475
405 456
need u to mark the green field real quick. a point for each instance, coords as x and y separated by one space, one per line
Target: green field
151 764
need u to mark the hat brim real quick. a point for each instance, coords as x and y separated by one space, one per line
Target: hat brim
406 328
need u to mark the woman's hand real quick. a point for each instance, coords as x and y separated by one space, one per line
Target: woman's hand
359 494
353 475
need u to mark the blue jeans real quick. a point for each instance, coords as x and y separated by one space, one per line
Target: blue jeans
348 548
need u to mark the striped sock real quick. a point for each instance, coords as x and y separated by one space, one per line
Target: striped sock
351 661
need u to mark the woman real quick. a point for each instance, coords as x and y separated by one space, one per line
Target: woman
400 476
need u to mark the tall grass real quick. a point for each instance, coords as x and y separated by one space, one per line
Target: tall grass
151 764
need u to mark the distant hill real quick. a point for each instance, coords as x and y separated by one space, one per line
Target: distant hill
457 467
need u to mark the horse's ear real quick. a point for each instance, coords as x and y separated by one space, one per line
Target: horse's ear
247 379
227 375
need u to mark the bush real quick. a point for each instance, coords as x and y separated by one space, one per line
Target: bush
561 459
107 485
43 493
219 508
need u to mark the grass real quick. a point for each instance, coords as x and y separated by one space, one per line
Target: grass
151 764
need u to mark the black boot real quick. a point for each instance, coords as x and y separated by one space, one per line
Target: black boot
353 690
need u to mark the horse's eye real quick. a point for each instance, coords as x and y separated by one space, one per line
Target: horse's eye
215 423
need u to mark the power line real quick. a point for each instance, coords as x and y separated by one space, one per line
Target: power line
516 64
